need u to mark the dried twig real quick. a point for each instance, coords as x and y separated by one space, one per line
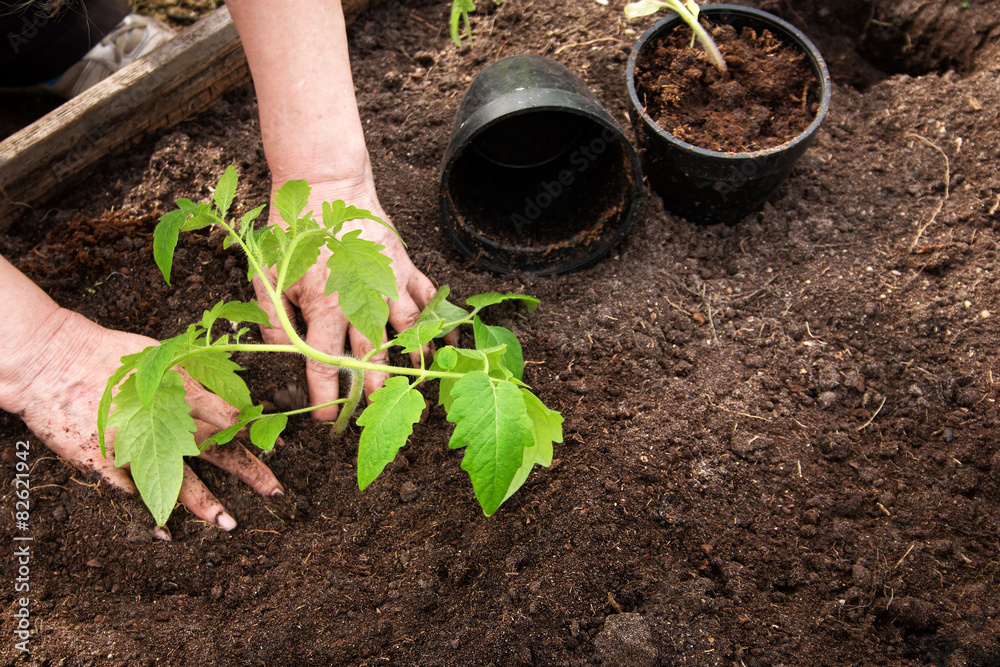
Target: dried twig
867 423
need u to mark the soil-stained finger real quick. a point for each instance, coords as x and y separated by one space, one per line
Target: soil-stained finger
203 504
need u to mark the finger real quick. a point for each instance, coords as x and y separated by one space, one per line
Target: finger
361 346
91 460
327 333
208 407
234 457
274 334
199 500
120 478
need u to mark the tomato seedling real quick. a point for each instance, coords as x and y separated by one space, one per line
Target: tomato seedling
688 11
504 429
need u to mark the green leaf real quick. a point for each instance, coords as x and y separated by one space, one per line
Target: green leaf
439 308
225 191
455 360
491 336
165 240
386 424
546 424
199 215
234 311
155 441
265 431
362 277
418 335
492 423
153 362
480 301
546 428
251 215
104 407
303 257
336 213
217 372
445 359
291 199
227 434
460 10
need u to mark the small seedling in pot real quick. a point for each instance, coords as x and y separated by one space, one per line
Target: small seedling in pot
688 12
504 428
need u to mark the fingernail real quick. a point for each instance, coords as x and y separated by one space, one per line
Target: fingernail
161 533
278 493
226 522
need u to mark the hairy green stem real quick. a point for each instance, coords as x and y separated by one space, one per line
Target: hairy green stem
357 386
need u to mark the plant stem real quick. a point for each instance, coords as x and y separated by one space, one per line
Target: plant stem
700 32
351 403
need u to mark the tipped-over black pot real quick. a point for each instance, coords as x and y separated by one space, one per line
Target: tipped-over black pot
537 176
707 186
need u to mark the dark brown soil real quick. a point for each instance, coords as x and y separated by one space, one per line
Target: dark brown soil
781 435
766 96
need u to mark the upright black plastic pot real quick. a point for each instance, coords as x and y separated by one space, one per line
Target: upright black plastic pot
537 176
707 186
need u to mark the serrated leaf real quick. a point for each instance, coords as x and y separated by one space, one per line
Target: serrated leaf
480 301
152 364
290 200
265 431
455 360
386 424
104 407
225 190
267 243
251 215
155 441
439 308
302 258
490 336
418 335
363 278
336 213
546 428
492 424
235 311
227 434
217 373
546 424
165 240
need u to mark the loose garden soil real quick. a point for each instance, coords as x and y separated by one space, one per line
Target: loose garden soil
767 95
781 435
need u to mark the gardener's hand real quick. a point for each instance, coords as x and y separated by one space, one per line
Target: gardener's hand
57 386
328 329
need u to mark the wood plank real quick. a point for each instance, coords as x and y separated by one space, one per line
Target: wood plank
184 76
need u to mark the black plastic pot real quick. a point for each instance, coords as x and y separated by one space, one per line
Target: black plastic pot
707 186
537 176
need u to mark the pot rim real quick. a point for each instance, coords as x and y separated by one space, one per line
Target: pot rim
796 36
